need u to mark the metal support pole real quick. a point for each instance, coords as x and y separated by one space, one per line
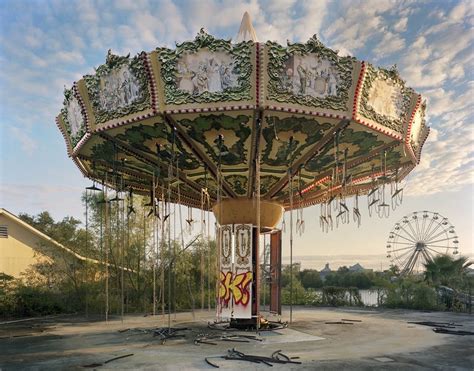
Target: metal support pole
107 242
122 253
87 252
155 249
291 239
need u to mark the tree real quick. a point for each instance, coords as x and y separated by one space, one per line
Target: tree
447 271
310 279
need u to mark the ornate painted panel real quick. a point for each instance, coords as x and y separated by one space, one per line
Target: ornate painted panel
206 70
243 271
418 129
119 87
73 117
226 271
308 75
385 99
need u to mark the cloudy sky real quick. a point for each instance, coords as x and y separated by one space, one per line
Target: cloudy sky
46 45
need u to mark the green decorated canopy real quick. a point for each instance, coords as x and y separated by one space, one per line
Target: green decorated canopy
211 109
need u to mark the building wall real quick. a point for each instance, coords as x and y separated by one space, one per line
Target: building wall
16 251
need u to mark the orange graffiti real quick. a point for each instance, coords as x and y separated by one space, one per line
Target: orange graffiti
237 286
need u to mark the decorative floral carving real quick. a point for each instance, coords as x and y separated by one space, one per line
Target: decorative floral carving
308 74
73 117
119 87
226 258
389 110
243 244
206 70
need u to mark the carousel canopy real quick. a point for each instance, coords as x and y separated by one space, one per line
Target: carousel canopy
203 114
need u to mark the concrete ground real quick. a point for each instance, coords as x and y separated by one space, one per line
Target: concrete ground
381 340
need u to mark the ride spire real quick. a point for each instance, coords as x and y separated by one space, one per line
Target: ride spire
246 31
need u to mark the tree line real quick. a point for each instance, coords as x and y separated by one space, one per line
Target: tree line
140 260
149 260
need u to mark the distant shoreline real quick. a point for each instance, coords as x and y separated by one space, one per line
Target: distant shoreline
376 262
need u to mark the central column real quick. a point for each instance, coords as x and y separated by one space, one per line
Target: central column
238 253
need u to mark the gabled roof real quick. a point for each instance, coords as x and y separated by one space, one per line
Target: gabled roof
44 237
356 268
326 269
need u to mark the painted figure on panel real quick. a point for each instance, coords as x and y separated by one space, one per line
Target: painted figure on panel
119 88
206 71
315 76
74 116
386 98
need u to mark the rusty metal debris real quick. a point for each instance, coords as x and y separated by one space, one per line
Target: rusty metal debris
94 365
234 355
452 332
436 324
119 357
165 333
210 338
338 323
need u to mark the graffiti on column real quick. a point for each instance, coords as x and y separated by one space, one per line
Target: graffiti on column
236 275
235 286
243 268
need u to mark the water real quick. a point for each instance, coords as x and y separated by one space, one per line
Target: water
369 297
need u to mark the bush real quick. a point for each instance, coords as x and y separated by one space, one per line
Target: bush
411 295
33 301
340 296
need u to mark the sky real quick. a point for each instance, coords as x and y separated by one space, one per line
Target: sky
47 45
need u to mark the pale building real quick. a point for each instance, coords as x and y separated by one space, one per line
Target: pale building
324 272
356 268
19 245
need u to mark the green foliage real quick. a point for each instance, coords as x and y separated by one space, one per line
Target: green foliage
447 271
339 296
32 301
310 279
299 293
344 278
411 293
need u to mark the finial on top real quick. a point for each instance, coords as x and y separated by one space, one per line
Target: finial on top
246 31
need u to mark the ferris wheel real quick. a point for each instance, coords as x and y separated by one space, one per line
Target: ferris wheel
417 238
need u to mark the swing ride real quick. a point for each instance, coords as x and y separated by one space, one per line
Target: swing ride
245 130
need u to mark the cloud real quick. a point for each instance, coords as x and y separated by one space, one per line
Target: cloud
447 160
87 12
433 59
390 43
27 143
70 57
401 25
358 22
